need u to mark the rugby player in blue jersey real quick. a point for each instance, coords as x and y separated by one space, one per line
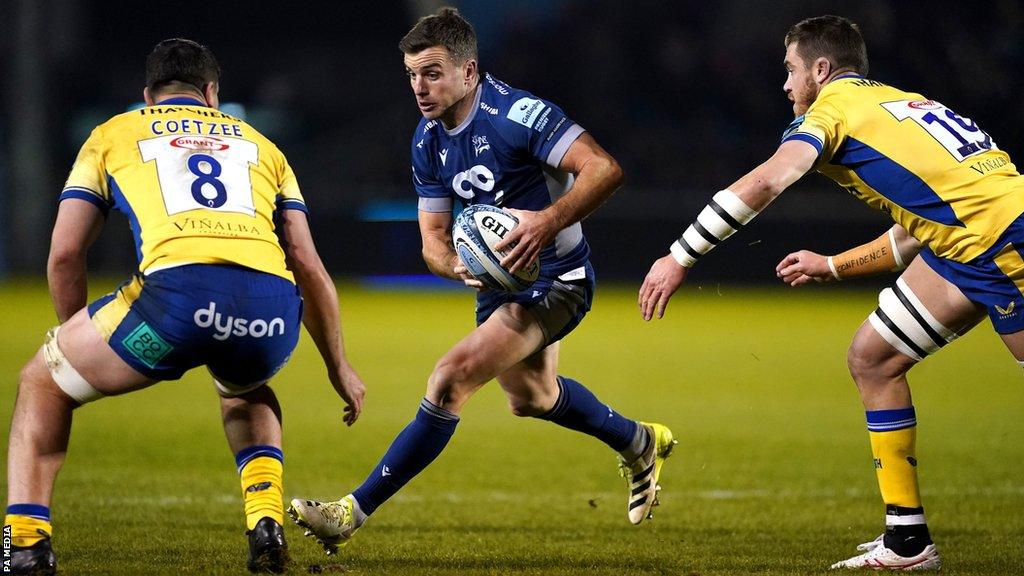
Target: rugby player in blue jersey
483 142
223 293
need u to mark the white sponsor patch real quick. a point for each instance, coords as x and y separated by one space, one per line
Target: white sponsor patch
526 111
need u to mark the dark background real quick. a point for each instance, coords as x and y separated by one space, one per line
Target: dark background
686 95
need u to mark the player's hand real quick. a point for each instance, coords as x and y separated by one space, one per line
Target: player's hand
524 243
804 267
351 389
665 277
468 279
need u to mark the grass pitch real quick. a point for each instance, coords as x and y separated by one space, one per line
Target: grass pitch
773 473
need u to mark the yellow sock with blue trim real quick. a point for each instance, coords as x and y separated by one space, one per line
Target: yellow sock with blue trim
29 524
261 469
893 436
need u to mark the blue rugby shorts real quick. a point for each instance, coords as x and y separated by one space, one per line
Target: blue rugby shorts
242 324
558 304
995 279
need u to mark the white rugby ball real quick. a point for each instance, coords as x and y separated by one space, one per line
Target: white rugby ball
476 231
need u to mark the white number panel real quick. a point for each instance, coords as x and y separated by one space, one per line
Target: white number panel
203 172
958 135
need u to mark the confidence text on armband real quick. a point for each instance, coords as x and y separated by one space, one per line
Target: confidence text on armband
861 261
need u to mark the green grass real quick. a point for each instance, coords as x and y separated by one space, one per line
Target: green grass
773 474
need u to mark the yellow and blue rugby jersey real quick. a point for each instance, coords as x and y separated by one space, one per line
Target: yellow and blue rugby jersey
197 185
936 173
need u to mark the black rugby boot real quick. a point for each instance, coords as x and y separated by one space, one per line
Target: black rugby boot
268 552
37 559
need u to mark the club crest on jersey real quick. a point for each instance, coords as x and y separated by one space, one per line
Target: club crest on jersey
480 144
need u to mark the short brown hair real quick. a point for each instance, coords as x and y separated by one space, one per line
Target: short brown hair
835 38
181 61
445 28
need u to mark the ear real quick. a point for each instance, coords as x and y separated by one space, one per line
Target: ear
147 97
821 69
211 91
470 70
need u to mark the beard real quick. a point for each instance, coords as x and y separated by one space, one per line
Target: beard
807 96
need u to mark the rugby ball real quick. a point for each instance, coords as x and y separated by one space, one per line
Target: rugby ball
476 231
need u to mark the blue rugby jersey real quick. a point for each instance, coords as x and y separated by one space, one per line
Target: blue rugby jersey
505 153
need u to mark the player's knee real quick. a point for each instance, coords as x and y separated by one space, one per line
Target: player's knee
867 364
450 383
36 380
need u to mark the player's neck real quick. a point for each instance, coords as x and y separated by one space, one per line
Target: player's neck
457 113
841 73
172 95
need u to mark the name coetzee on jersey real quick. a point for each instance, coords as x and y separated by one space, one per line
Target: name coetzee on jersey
193 126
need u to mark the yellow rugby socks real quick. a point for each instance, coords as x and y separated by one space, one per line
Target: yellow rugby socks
29 524
893 436
261 469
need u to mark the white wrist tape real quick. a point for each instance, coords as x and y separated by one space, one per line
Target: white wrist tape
900 264
832 267
721 218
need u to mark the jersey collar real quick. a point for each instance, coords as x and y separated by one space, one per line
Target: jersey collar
182 100
848 75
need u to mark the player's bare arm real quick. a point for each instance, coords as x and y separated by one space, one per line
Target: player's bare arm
435 231
890 252
745 198
320 313
77 227
597 177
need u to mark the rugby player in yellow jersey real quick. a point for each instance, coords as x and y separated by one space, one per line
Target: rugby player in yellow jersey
218 285
958 203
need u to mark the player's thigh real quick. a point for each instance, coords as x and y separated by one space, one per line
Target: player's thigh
918 315
509 335
534 379
85 349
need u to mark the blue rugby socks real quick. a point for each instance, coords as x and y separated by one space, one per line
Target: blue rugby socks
578 409
411 452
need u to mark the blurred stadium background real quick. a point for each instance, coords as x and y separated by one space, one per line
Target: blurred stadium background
773 476
686 95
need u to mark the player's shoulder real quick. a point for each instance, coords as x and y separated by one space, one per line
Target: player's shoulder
258 137
510 109
854 91
118 122
424 136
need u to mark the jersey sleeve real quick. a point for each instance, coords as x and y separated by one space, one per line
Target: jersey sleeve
88 178
289 197
541 128
823 126
432 195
